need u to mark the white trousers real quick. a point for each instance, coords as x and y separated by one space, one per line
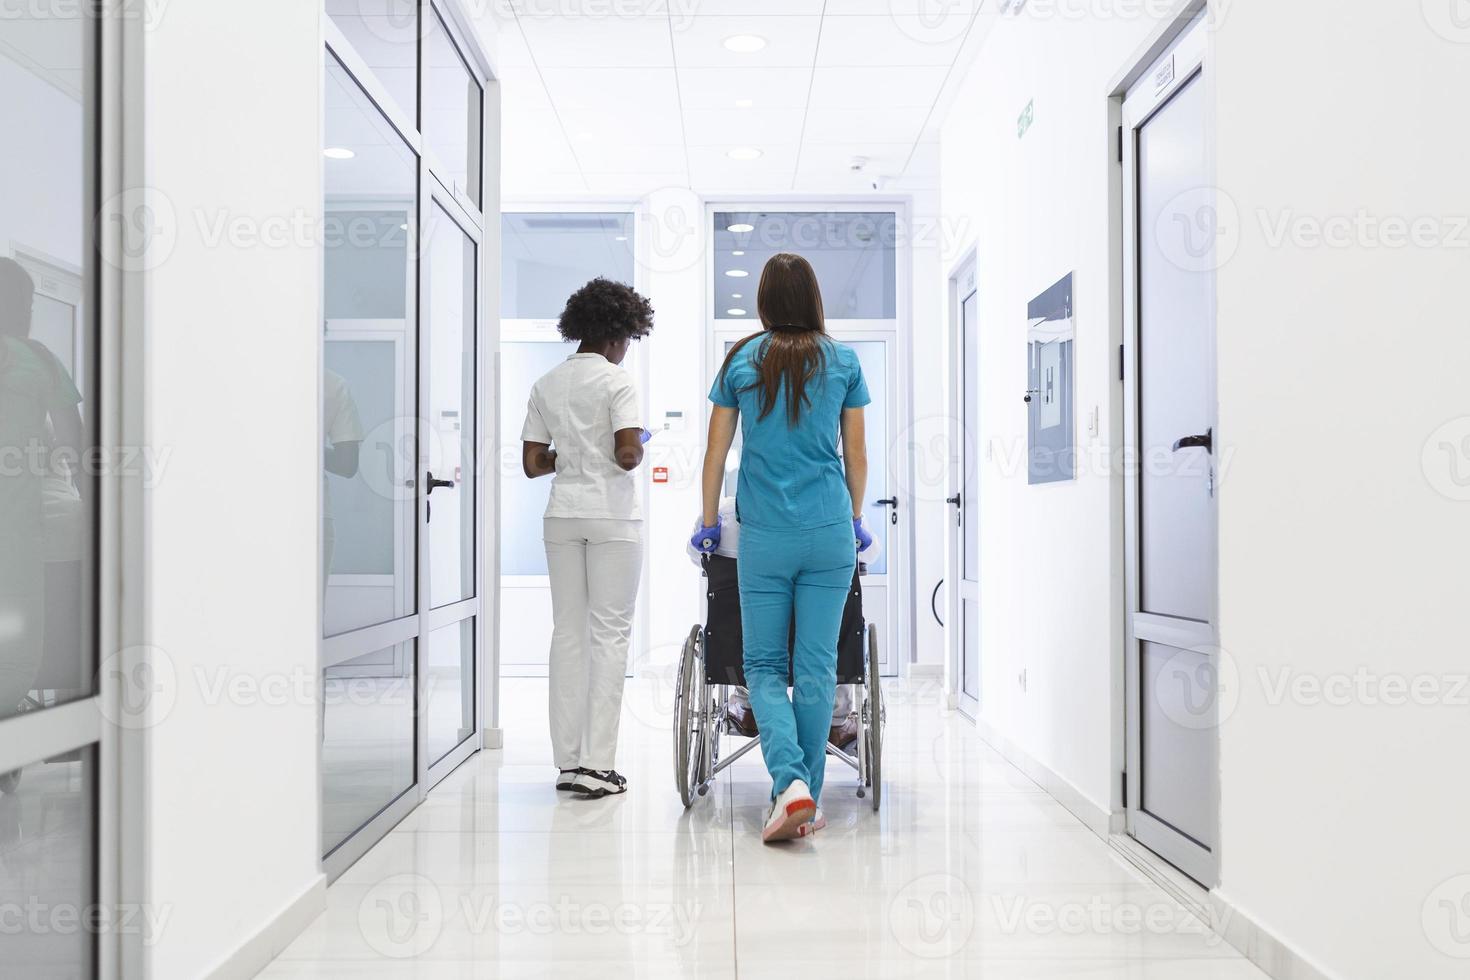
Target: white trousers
594 566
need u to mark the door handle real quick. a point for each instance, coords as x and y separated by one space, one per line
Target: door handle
1205 441
435 484
958 513
892 503
953 500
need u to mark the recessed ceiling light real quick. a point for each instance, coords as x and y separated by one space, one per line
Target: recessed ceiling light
736 273
744 43
737 252
744 103
338 153
735 296
735 311
403 227
620 238
744 153
740 228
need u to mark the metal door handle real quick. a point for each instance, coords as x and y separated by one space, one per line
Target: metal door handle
435 484
958 510
953 500
890 502
1205 441
1029 392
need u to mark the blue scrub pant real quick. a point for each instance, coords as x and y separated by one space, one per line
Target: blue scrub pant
806 573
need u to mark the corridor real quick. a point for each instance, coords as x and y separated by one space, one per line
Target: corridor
968 869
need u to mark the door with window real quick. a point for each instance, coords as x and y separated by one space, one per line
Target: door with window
545 257
855 256
59 710
964 499
403 385
1174 661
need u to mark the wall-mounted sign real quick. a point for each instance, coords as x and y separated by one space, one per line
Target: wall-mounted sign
1164 75
1024 122
660 474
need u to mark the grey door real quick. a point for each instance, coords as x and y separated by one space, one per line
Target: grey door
1174 662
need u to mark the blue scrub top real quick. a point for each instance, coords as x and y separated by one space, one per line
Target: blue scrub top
791 478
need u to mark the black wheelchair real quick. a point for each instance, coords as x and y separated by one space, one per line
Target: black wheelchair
712 665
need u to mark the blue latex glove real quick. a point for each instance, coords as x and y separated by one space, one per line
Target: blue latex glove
863 535
644 436
707 539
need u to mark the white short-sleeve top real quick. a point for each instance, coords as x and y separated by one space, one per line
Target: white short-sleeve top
576 407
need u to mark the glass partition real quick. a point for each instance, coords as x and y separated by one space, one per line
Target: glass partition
452 110
545 257
854 254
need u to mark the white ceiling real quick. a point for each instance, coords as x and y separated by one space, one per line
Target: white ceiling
622 97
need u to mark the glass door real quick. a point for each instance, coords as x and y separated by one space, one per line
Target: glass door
449 586
402 571
964 552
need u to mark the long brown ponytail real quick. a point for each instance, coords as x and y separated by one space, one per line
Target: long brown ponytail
792 352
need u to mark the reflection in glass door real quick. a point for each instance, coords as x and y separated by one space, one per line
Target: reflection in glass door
401 391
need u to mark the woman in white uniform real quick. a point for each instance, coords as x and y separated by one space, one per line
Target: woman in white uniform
584 423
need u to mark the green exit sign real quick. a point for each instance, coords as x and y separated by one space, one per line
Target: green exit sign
1023 122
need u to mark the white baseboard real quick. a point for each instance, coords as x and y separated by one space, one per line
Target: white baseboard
492 738
1097 819
268 942
1276 957
926 670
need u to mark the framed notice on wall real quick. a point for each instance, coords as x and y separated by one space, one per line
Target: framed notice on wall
1051 429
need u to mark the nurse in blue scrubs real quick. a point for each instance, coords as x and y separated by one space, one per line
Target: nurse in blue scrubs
798 398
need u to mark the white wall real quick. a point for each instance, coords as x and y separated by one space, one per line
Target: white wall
1340 549
1343 528
1036 208
232 112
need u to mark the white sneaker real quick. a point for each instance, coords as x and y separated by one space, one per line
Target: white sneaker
594 784
819 820
791 814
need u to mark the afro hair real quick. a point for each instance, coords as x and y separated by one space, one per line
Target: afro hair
604 311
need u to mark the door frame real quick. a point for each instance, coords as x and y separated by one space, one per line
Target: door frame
1182 58
432 192
961 283
543 330
902 597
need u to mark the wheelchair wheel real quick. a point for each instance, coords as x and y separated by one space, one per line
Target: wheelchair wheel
689 718
873 719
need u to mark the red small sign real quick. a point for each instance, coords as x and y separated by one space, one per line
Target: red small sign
660 474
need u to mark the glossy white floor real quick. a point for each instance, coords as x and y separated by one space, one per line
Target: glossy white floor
968 870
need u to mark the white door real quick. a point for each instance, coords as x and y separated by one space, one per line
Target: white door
964 553
883 578
1173 658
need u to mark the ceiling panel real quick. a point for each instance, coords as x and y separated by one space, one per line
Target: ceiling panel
745 8
718 88
899 125
632 158
876 87
866 41
790 42
620 90
742 127
591 42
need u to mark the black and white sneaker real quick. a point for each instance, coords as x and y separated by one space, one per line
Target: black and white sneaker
593 784
567 778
